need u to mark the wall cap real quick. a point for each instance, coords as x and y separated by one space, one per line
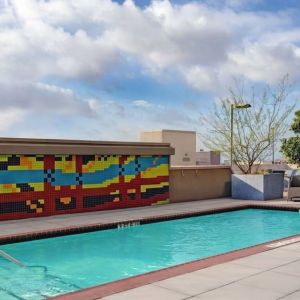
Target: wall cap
200 167
170 130
81 147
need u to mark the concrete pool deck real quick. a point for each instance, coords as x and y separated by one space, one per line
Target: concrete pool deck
273 274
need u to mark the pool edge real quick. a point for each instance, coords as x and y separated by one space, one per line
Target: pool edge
122 285
41 234
49 233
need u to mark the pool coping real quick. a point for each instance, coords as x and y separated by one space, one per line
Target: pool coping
41 234
69 230
99 291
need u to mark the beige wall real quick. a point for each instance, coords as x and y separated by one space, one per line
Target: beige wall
203 158
151 136
184 143
197 183
208 158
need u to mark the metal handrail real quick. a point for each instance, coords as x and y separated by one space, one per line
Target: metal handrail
11 259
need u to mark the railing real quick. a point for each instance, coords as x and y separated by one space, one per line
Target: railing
11 259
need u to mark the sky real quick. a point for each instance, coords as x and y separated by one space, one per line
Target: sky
106 70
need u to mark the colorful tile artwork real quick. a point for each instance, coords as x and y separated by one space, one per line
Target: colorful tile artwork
42 185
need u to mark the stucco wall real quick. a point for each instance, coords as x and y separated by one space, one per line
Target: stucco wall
151 136
183 141
198 183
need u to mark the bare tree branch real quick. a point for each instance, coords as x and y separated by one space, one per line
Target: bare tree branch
255 129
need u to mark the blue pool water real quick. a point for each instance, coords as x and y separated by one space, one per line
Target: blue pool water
64 264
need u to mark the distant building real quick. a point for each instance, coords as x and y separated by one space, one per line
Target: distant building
183 141
208 157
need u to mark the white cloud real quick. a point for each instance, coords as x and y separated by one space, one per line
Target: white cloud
201 78
84 40
11 117
32 48
42 99
48 111
266 62
142 103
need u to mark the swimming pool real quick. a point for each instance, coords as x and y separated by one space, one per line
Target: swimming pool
63 264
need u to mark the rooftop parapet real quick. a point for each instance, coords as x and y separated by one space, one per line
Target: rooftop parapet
84 147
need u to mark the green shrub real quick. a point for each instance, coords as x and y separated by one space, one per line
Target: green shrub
291 147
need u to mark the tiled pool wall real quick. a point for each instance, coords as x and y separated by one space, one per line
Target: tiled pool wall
43 185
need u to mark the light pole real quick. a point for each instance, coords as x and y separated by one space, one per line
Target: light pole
232 107
273 146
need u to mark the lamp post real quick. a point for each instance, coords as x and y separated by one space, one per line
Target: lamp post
273 146
232 107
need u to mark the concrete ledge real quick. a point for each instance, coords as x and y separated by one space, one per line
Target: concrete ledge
54 146
200 167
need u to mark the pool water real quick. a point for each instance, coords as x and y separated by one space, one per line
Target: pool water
64 264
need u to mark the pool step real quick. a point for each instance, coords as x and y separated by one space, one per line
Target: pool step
8 295
11 259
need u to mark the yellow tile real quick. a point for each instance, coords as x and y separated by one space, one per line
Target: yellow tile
106 183
4 157
38 187
153 186
115 192
65 200
128 178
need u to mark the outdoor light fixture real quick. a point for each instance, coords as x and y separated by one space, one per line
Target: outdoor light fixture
232 107
247 105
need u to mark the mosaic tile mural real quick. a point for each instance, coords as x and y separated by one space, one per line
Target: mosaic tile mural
40 185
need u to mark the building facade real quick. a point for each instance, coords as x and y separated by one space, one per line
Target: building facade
208 158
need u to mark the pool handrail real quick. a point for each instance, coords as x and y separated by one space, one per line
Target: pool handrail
11 259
